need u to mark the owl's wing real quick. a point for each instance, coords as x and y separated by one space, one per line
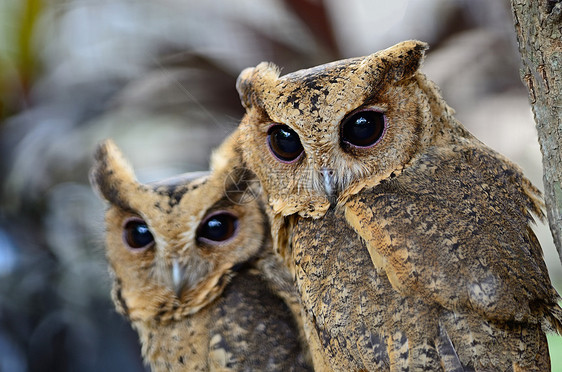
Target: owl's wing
454 228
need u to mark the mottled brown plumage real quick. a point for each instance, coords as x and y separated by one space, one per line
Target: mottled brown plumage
409 239
194 271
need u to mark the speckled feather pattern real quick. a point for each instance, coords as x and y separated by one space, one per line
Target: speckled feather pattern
426 259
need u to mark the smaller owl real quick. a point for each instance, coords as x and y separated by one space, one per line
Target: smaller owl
194 271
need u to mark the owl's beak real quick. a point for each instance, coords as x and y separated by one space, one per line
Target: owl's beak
178 275
329 183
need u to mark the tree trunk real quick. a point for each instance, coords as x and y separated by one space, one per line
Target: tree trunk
538 24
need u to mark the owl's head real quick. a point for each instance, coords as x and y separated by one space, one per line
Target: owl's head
174 245
316 136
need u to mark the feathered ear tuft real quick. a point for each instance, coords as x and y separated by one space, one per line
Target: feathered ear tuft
244 86
398 62
228 155
111 175
251 81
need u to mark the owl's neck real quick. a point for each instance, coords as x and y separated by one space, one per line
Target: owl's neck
176 346
448 129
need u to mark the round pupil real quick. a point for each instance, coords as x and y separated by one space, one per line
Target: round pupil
218 228
363 128
137 234
284 142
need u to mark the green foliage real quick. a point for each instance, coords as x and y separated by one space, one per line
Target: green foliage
19 63
554 346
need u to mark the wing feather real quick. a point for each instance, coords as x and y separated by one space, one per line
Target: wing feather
455 228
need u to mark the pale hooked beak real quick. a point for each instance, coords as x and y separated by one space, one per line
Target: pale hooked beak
329 183
178 274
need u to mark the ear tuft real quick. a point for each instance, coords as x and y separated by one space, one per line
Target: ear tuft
110 172
244 86
227 155
400 61
251 81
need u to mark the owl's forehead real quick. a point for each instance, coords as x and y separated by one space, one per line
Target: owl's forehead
329 72
321 94
169 205
173 190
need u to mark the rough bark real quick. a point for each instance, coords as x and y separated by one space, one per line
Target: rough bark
538 24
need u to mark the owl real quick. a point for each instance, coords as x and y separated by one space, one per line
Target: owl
194 272
409 240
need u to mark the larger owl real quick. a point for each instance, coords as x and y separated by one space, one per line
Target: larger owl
194 271
409 239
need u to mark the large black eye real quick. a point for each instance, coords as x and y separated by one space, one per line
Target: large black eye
284 143
217 227
363 128
137 235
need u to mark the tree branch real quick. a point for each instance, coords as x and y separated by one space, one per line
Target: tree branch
538 24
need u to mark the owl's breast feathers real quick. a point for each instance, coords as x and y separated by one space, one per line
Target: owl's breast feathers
361 322
249 327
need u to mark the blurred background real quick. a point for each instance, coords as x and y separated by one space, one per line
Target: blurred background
159 78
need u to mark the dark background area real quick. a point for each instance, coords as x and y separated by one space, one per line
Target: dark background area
159 78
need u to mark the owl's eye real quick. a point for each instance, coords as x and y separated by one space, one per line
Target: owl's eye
284 143
217 227
137 235
363 128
